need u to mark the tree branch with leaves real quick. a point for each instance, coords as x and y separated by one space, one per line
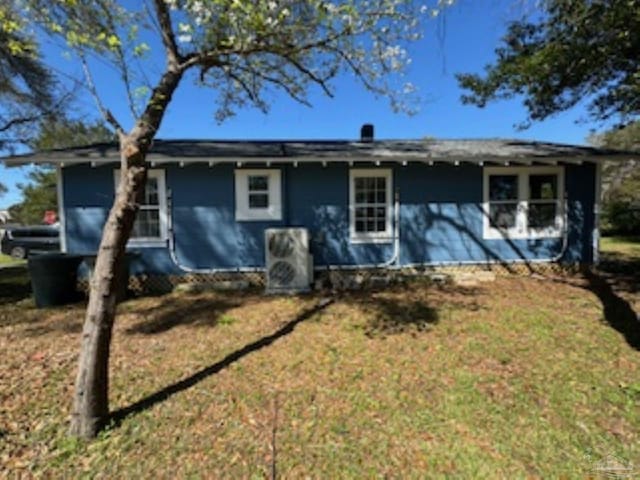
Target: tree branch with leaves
574 51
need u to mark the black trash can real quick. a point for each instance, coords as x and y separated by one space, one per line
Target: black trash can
53 278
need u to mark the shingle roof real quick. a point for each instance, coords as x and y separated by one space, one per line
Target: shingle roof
260 151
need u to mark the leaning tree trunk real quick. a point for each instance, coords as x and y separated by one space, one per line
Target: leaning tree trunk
91 403
91 399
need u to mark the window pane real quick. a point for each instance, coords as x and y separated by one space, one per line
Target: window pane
147 224
370 214
503 187
542 215
370 190
543 187
258 182
503 215
151 191
258 200
370 183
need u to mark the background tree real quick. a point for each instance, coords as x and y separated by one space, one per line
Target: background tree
66 133
620 181
39 192
38 196
28 91
573 50
243 51
626 137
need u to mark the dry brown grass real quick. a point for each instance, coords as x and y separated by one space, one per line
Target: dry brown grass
520 377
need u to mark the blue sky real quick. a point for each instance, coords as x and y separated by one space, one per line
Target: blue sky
462 41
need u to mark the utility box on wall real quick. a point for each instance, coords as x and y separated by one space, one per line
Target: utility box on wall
289 266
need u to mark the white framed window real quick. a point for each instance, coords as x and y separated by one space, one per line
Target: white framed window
258 194
370 208
523 202
150 226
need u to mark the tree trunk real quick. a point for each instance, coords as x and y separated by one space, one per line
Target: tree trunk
91 403
91 400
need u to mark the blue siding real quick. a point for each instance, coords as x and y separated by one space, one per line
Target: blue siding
318 199
440 217
206 232
88 195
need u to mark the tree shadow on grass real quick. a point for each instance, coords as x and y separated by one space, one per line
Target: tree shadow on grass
388 317
14 284
118 416
618 313
622 271
176 311
69 325
397 310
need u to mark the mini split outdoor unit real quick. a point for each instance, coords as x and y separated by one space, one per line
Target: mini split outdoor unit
289 266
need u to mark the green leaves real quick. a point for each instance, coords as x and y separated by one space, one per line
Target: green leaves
576 50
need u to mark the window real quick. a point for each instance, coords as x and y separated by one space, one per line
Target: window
151 221
523 202
258 195
370 205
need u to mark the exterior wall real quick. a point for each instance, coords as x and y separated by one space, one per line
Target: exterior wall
440 217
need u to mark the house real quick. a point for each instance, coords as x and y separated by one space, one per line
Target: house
365 204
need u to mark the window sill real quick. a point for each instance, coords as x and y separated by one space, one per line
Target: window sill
364 239
147 242
261 216
497 235
258 219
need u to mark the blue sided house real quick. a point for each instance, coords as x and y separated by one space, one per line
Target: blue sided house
209 205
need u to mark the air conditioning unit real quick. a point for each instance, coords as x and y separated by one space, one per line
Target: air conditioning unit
289 266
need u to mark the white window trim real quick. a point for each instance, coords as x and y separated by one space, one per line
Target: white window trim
521 230
372 237
159 175
273 211
62 219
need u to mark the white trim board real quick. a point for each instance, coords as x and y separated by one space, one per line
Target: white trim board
273 211
62 219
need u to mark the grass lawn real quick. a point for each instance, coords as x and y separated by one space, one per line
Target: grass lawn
518 378
7 260
629 246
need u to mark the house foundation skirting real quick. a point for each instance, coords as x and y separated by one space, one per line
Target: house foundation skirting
346 279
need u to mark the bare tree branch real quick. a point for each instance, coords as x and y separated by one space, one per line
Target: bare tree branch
282 83
322 82
91 86
120 61
166 32
20 121
249 90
